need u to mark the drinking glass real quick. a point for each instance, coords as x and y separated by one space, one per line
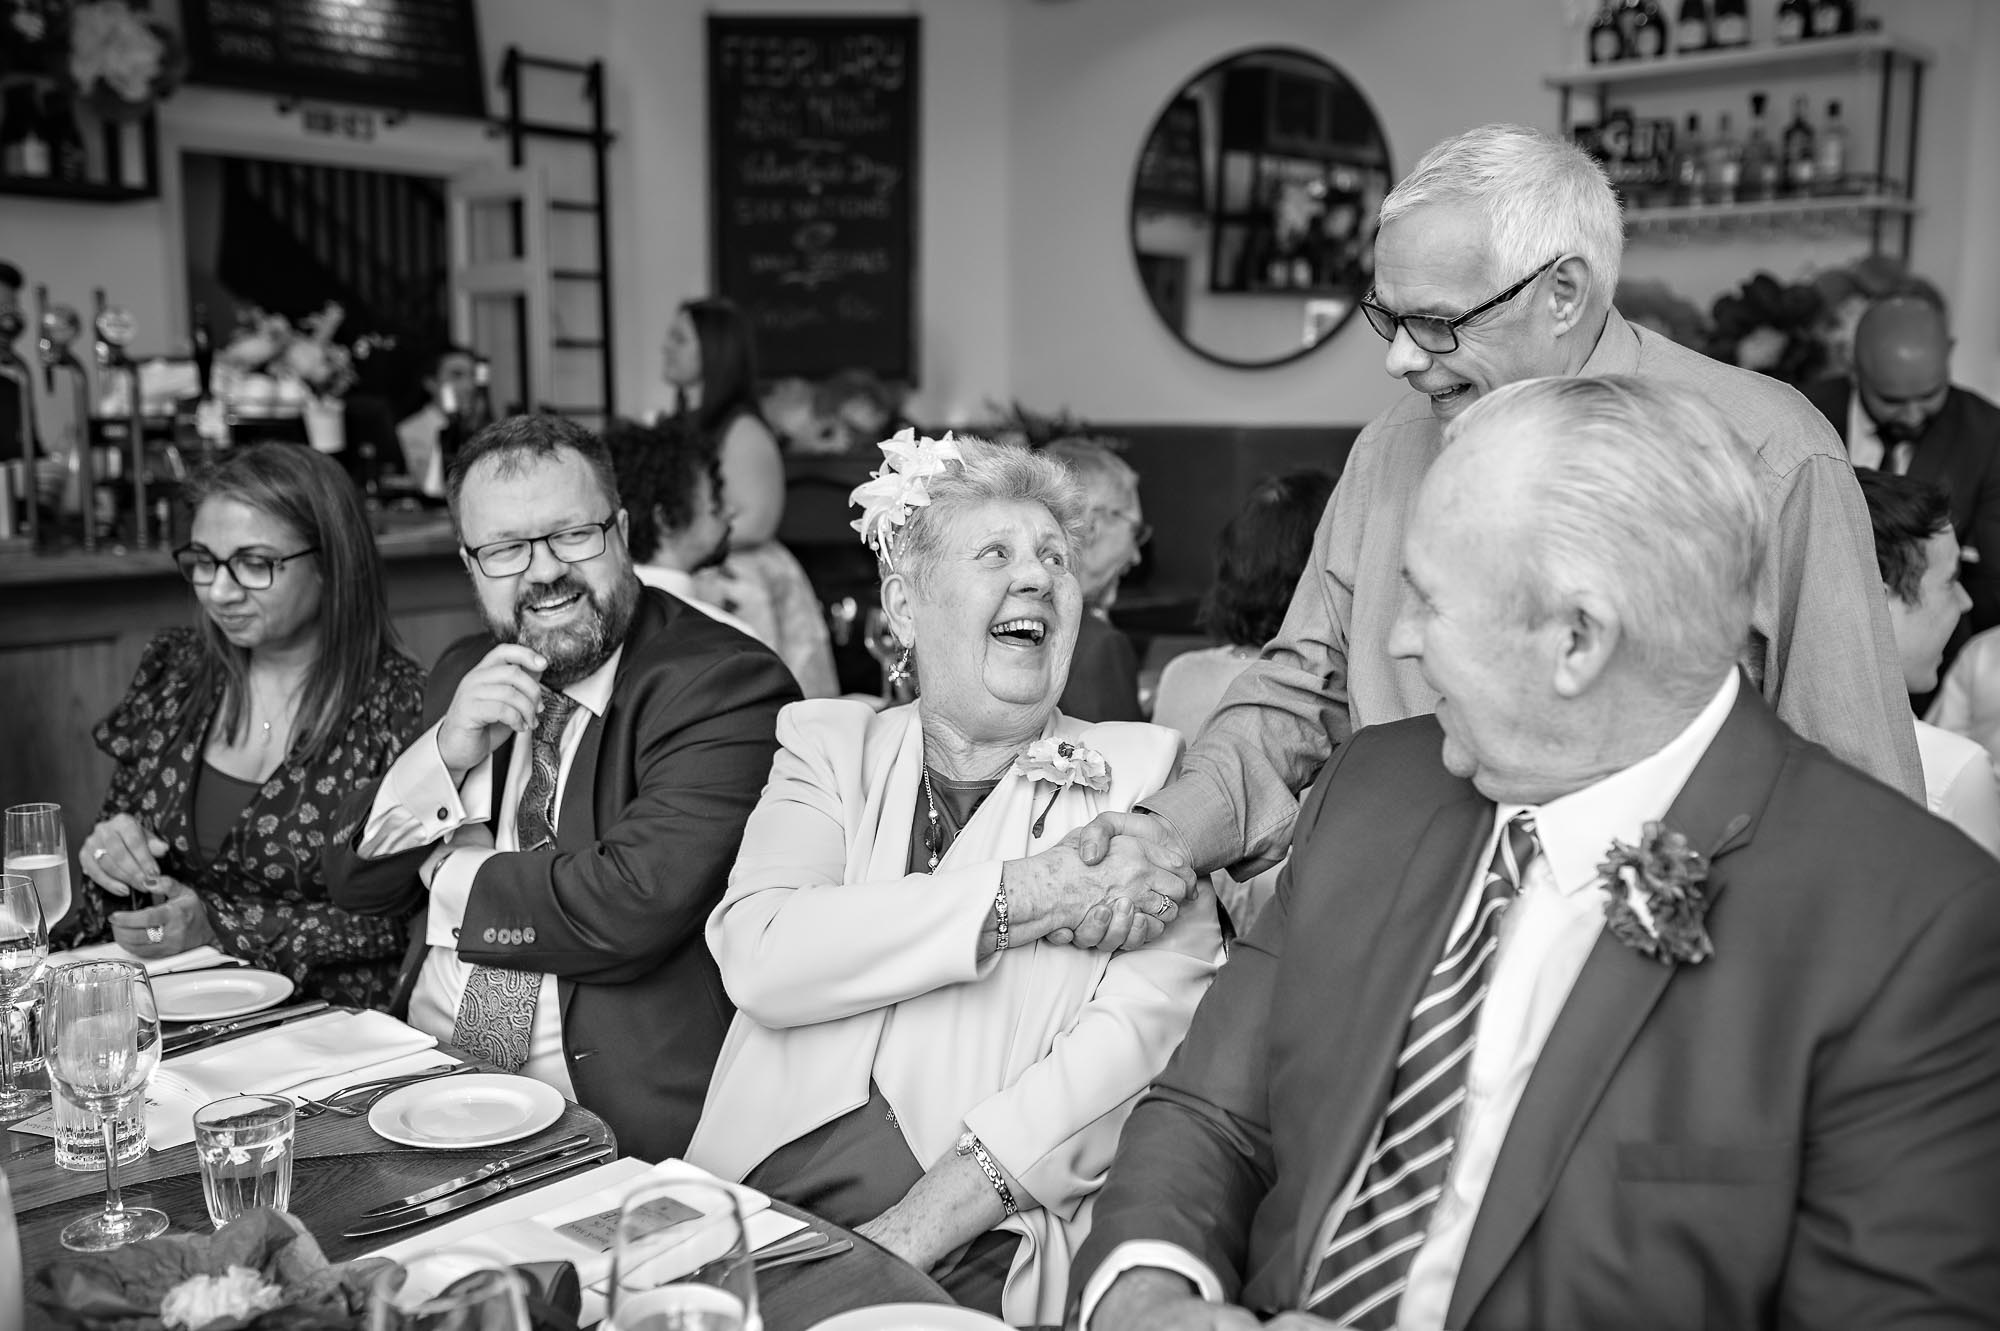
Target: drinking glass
244 1144
448 1290
104 1042
681 1262
37 847
24 950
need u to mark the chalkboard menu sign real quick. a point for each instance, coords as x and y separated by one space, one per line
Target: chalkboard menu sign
410 55
1170 174
812 140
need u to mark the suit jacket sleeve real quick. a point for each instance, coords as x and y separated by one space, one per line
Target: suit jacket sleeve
1279 720
610 912
1982 579
1897 1205
1195 1160
1830 667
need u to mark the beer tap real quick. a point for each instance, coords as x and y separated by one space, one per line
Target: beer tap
115 328
59 328
12 366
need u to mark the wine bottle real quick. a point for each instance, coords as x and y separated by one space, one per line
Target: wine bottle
1647 37
1801 153
1729 23
1692 31
1607 39
1794 20
24 151
1691 166
1830 172
1763 172
1725 163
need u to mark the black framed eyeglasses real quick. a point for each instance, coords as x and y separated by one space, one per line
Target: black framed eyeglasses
1142 532
1433 332
251 571
572 545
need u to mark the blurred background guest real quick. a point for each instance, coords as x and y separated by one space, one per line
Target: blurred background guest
917 1052
1104 674
240 737
449 388
671 486
1967 702
711 363
1918 554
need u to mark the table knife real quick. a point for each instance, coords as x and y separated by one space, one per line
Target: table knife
480 1175
458 1201
191 1036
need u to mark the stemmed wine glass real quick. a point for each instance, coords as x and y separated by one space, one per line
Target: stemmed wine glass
24 950
681 1259
37 846
448 1290
104 1042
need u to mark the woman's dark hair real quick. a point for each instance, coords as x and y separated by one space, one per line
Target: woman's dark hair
1905 513
728 361
309 493
657 467
1259 556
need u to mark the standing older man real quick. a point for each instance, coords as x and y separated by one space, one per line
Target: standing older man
1606 1019
1496 261
573 813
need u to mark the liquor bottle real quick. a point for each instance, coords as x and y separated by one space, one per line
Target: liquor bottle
24 152
1763 170
1729 23
1692 33
1830 172
1725 163
68 162
1831 18
1607 39
1645 30
1691 166
1794 20
1801 152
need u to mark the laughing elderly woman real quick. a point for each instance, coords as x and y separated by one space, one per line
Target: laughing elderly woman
925 1049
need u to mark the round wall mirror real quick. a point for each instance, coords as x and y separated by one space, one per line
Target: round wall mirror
1253 206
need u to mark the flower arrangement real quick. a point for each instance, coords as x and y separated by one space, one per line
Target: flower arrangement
898 487
272 368
122 62
1062 763
1654 899
1771 327
836 414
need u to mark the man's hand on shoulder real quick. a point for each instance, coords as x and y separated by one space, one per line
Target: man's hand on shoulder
1147 1298
499 696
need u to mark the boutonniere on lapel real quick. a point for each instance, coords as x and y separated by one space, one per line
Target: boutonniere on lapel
1655 902
1062 764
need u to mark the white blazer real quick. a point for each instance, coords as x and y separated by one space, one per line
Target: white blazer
843 966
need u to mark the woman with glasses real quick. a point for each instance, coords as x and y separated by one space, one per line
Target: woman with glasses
240 736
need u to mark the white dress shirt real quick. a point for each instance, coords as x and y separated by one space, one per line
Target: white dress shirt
1864 444
420 802
1545 937
1959 784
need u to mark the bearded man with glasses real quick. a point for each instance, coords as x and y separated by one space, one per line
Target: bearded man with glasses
571 813
1496 261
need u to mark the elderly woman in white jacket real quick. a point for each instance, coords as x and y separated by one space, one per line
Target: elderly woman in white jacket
945 1016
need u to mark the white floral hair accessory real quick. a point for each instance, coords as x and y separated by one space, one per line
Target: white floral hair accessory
897 487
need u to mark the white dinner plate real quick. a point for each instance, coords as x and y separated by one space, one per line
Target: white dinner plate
910 1317
456 1113
212 995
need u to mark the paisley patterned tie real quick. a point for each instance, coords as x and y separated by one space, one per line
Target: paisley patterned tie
497 1010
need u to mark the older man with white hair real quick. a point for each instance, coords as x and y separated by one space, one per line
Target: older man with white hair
1599 998
1496 261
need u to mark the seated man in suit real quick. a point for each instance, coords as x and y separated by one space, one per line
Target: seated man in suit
1901 413
569 874
1600 998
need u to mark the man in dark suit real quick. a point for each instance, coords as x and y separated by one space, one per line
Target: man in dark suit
1901 413
568 874
1637 1010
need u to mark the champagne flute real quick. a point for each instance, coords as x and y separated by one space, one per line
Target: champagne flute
24 950
38 847
681 1262
104 1042
448 1290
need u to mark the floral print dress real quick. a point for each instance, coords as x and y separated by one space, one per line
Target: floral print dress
265 896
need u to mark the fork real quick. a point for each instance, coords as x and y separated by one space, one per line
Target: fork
373 1091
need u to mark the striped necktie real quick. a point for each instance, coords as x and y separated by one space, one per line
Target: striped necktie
497 1011
1366 1263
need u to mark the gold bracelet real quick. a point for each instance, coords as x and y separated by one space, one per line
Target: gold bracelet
969 1144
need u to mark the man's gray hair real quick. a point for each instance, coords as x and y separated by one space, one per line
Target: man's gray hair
1543 197
1097 466
989 473
1645 494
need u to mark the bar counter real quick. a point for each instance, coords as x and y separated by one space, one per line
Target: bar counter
73 626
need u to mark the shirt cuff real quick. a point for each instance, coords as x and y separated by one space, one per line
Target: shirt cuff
451 889
419 803
1189 815
1136 1253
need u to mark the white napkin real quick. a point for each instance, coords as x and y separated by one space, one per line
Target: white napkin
194 959
320 1053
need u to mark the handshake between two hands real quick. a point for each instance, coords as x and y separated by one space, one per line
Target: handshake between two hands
1124 883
